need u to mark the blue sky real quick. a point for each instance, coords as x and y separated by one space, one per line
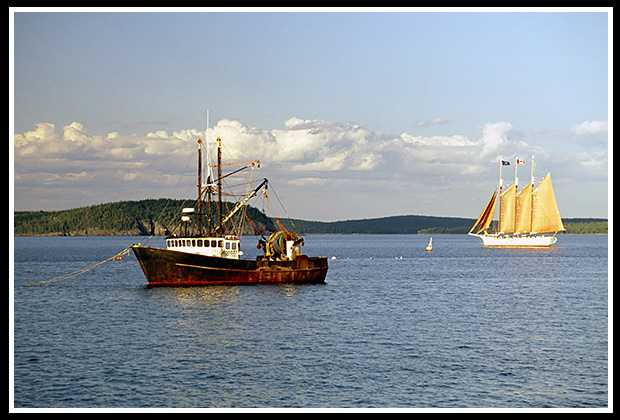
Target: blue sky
366 114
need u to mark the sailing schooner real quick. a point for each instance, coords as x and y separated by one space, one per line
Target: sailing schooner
523 216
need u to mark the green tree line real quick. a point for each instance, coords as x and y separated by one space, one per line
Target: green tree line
144 217
161 216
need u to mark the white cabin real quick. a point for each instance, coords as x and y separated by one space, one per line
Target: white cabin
224 247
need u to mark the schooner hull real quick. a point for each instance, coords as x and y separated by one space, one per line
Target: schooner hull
164 267
535 241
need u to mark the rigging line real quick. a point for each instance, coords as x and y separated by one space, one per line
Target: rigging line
83 270
148 237
285 212
234 228
254 226
277 221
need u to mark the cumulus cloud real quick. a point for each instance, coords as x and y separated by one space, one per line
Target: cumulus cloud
494 137
343 157
313 145
303 145
590 127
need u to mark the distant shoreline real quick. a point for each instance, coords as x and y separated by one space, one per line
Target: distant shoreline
157 217
305 234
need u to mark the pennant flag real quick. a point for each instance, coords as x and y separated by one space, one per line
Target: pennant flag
519 161
505 162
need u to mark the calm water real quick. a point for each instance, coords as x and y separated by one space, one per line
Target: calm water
462 326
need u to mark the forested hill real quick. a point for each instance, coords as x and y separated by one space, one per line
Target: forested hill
387 225
138 218
159 216
424 225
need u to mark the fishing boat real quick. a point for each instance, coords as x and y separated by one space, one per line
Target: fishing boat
429 247
525 218
200 254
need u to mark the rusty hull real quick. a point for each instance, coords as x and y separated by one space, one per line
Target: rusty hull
163 267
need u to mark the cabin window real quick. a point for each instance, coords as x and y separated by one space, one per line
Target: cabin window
220 244
193 242
234 245
182 242
213 243
227 245
199 242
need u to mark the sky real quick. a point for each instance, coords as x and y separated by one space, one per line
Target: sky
353 114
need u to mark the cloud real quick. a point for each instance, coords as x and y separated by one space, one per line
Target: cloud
594 163
304 145
302 182
437 141
339 162
434 121
590 127
494 137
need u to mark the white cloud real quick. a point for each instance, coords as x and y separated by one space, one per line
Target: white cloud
344 158
436 141
595 163
494 137
301 182
67 178
434 121
28 143
76 133
590 127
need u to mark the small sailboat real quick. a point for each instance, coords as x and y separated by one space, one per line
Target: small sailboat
524 216
429 247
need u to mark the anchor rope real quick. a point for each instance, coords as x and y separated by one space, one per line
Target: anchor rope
83 270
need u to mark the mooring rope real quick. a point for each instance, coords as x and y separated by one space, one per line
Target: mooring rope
83 270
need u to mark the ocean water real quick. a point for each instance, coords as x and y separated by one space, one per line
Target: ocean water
461 326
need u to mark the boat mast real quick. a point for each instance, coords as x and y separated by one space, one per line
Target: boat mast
532 200
209 179
514 229
199 187
219 181
499 204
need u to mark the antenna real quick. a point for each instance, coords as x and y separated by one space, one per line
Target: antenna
209 176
